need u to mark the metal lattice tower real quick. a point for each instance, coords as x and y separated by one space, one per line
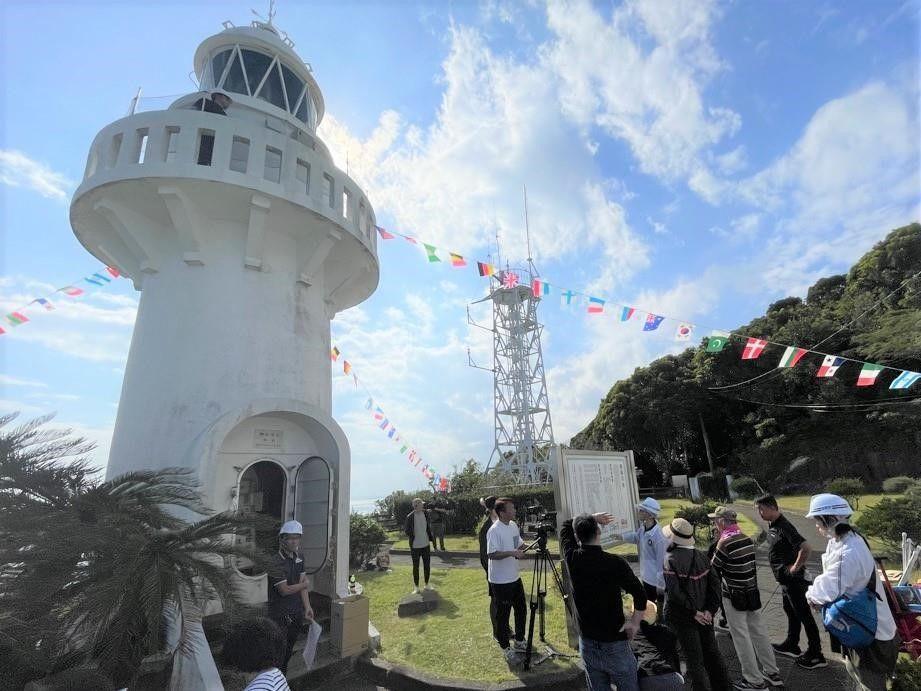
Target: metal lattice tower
524 433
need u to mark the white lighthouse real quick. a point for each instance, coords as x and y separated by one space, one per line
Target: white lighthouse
244 241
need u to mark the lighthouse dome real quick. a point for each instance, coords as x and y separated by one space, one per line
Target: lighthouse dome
258 67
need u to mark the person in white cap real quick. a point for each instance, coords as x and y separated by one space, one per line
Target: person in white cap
847 568
651 545
289 604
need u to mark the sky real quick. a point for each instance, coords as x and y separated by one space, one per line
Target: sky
697 159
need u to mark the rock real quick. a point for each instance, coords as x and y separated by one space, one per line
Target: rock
418 603
374 637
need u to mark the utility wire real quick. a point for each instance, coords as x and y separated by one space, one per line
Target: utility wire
775 372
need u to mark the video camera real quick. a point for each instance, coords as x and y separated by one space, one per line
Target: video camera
544 521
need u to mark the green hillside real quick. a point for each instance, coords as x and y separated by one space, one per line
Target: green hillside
788 428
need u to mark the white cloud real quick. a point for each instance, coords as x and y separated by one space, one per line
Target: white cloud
458 182
26 383
18 170
852 176
613 349
640 77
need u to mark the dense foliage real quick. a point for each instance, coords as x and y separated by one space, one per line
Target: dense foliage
893 515
365 539
88 568
788 429
746 487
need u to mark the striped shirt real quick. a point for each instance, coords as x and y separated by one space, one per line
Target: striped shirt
269 680
734 560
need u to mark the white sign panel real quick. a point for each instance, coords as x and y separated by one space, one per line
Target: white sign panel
596 481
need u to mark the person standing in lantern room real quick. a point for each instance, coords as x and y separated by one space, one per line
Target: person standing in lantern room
651 545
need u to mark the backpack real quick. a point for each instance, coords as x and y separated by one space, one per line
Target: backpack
852 620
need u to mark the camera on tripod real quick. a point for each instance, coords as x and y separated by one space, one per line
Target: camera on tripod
545 521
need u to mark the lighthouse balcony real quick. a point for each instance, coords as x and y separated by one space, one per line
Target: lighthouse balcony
262 155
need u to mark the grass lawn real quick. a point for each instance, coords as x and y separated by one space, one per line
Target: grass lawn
454 641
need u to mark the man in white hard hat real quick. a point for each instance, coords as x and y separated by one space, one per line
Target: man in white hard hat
651 545
289 604
847 568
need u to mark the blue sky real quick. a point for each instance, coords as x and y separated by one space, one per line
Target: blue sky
699 159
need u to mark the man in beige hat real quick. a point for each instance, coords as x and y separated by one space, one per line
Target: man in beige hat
734 561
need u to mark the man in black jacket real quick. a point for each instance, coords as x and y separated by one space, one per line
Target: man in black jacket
488 505
598 579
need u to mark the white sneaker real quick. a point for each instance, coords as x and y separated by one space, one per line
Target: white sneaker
415 591
428 587
512 656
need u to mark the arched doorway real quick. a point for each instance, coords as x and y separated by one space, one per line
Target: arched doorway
261 491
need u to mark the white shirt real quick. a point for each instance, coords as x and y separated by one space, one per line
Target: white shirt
503 538
651 544
846 568
421 535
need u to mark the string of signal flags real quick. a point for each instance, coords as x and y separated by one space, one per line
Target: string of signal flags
718 339
18 317
381 419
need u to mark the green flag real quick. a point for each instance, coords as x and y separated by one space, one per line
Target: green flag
431 250
716 343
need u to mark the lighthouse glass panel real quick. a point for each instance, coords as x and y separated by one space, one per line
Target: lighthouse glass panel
303 113
271 90
234 80
293 87
256 65
218 63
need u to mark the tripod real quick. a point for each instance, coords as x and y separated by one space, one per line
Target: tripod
543 563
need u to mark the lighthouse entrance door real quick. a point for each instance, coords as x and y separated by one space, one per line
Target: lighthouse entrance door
312 502
262 491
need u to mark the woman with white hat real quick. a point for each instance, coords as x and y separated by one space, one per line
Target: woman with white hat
651 545
848 568
692 598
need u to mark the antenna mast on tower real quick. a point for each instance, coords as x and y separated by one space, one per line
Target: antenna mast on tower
523 430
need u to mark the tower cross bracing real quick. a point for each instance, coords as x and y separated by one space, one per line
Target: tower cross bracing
523 428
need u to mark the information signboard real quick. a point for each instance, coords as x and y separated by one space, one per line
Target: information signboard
594 481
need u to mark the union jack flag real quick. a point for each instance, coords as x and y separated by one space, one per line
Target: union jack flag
509 279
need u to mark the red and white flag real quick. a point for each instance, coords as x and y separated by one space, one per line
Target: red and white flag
868 374
753 349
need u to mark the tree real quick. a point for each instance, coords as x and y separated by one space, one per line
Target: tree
745 405
88 568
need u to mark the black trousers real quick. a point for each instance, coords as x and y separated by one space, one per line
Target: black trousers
799 615
492 611
706 667
509 597
652 594
291 626
426 554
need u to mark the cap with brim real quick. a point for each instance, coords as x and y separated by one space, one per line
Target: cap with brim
723 512
649 505
680 532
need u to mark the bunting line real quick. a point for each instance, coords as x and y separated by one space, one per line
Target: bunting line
18 316
753 346
382 421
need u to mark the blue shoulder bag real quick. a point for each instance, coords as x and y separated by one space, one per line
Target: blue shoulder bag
852 620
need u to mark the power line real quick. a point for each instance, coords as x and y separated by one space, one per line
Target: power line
775 372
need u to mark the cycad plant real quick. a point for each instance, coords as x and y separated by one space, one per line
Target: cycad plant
87 568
